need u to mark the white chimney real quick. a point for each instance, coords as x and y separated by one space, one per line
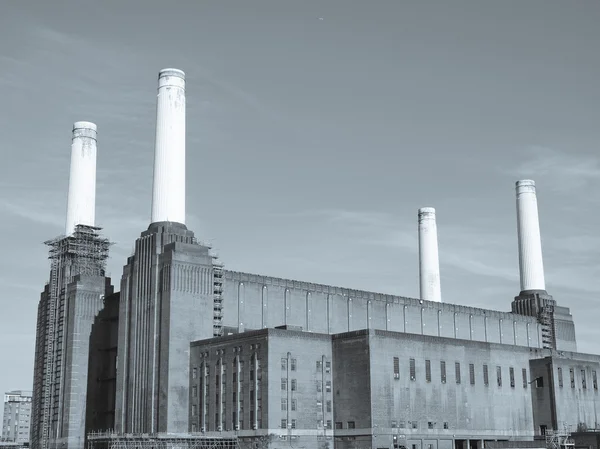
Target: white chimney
530 243
81 202
168 193
429 264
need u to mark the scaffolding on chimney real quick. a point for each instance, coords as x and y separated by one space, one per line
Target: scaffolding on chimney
83 253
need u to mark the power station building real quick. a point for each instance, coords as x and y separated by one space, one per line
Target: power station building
189 354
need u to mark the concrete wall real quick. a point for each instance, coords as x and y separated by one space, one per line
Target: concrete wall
577 403
256 302
102 368
84 300
468 411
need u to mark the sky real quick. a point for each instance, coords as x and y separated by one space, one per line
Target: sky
316 129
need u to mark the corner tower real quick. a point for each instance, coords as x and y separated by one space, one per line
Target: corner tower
167 288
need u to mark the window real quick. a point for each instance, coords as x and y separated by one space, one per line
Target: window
251 373
572 374
284 423
293 363
194 391
351 425
293 384
394 424
327 367
284 405
234 377
539 382
560 378
294 404
446 425
499 375
511 373
415 424
402 425
251 395
583 383
457 372
524 377
443 371
194 410
194 373
319 368
234 397
430 425
283 364
293 423
428 370
396 368
486 380
284 384
329 406
413 374
329 424
338 425
319 386
595 380
328 386
472 373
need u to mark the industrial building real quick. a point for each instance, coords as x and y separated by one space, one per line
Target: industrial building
17 416
71 299
189 354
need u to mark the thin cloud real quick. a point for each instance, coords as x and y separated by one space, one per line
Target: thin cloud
565 171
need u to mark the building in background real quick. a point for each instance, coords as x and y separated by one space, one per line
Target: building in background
17 416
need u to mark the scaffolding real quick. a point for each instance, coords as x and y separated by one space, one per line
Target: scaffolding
107 440
218 297
83 253
559 439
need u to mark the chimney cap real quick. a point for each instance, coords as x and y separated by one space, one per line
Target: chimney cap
85 125
525 182
171 72
427 210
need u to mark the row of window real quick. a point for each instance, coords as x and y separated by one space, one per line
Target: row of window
583 379
457 373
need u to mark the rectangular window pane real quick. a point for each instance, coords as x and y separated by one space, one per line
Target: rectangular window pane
284 384
486 380
499 375
560 377
283 364
583 383
293 384
457 372
396 368
524 377
428 370
413 374
293 363
595 380
572 374
284 405
511 373
443 371
319 365
472 373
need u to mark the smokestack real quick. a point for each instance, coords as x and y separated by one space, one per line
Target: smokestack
429 264
168 193
81 202
530 243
